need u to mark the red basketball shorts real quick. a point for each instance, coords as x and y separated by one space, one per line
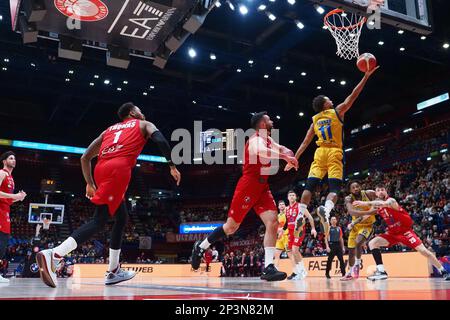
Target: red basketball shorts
251 194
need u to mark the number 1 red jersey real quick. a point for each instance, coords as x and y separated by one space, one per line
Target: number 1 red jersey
123 140
397 221
121 146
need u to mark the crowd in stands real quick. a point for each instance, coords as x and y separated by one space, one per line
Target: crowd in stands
203 212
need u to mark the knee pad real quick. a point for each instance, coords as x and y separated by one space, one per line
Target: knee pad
311 184
335 185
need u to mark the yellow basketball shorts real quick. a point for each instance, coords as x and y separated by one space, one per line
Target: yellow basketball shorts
327 160
365 231
282 243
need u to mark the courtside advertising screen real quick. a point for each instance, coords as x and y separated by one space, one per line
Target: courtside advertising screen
206 227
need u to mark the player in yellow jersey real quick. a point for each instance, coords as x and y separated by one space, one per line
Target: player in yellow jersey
283 232
328 127
361 228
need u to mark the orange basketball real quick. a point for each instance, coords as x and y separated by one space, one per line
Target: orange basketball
366 62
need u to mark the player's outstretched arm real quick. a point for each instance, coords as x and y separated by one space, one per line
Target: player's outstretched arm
311 222
306 142
157 137
348 103
257 147
86 166
356 213
389 203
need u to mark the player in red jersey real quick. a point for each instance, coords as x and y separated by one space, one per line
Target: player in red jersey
7 198
399 230
252 191
117 148
297 232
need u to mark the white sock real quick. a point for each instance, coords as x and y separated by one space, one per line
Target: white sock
269 256
300 267
205 244
358 262
329 205
114 257
380 267
66 247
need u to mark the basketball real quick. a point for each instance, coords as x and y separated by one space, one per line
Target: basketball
366 62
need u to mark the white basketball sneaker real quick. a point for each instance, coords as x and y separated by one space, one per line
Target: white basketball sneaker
378 275
304 273
48 265
112 278
3 280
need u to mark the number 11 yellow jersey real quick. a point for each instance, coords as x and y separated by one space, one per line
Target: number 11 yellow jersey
329 129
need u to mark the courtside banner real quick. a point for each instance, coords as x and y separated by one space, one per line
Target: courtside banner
398 265
146 271
132 24
199 227
176 238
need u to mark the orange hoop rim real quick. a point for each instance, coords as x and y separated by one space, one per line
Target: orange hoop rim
338 11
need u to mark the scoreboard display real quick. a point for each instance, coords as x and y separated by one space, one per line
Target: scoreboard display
39 211
217 141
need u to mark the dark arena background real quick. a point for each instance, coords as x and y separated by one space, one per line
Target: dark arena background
67 66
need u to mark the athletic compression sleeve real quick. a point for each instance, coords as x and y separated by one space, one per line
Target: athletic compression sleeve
163 145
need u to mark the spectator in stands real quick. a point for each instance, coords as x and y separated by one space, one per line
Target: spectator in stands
208 257
215 254
252 264
234 265
224 270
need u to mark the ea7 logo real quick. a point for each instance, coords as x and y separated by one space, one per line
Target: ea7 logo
146 18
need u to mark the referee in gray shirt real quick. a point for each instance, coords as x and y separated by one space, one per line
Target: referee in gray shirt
335 246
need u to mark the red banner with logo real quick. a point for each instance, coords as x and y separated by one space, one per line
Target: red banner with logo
176 238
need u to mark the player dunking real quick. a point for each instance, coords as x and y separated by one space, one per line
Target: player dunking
252 191
297 232
399 230
7 198
117 148
328 126
361 228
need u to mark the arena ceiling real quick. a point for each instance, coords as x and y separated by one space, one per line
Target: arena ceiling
44 98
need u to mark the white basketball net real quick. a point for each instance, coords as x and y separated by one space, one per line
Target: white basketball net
46 224
346 29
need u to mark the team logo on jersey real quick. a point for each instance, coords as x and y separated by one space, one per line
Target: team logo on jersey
247 199
34 268
82 10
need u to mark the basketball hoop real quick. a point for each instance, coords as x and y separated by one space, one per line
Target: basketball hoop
346 29
46 224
